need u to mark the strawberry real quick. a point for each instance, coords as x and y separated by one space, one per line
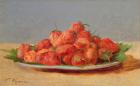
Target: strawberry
65 49
49 58
84 34
43 44
81 43
77 27
96 39
91 54
78 59
67 37
30 56
54 35
108 44
93 45
42 51
52 48
105 54
67 59
23 48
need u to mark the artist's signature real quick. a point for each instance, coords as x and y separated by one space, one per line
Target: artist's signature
15 81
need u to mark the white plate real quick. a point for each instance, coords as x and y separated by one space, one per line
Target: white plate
65 67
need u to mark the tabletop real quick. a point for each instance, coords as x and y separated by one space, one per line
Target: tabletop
13 75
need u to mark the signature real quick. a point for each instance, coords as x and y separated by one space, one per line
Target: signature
14 81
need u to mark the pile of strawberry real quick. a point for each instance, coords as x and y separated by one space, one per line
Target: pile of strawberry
76 46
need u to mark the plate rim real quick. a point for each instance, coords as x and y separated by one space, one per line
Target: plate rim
67 67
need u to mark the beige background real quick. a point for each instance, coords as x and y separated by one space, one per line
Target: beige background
32 20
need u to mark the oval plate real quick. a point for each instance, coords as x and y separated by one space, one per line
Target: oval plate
66 67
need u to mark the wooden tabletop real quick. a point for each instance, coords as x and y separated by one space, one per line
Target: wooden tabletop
13 75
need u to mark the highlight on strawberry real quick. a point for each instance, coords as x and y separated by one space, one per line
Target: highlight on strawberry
75 46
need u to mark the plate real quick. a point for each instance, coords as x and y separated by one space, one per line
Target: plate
66 67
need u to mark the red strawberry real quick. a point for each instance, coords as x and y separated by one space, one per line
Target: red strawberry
30 56
96 39
43 44
65 49
23 48
54 35
81 43
91 54
67 59
49 58
42 51
67 37
84 34
77 27
78 59
52 48
108 44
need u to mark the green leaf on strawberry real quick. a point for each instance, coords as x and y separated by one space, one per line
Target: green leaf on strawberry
120 56
124 47
12 54
33 47
86 25
106 56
